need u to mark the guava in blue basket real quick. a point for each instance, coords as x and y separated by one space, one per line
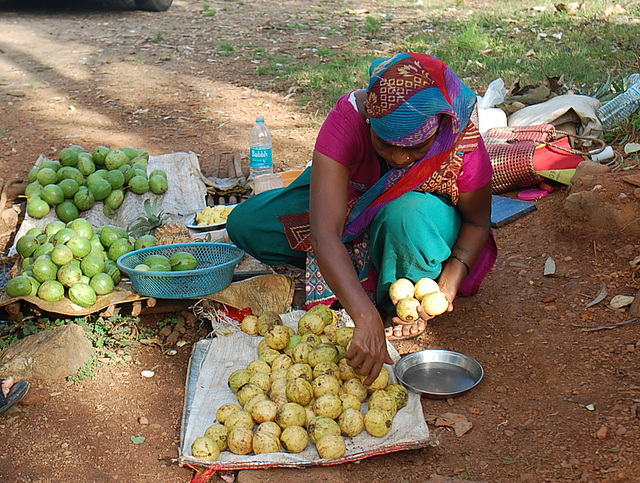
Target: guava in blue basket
156 259
180 261
212 270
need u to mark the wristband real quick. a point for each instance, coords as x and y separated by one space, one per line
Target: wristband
461 261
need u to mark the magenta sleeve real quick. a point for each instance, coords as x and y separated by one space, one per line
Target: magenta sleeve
476 169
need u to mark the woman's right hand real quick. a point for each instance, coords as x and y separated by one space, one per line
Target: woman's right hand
327 213
368 349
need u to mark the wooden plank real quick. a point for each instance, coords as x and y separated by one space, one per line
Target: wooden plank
230 167
216 165
237 163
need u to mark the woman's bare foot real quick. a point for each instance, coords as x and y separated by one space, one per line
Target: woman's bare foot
12 392
6 385
397 329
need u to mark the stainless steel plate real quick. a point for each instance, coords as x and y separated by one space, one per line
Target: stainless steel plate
439 373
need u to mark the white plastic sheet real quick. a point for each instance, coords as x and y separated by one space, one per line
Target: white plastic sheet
207 390
186 195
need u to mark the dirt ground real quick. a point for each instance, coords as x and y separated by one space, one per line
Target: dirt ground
557 403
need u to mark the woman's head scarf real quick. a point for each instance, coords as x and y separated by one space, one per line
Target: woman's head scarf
411 98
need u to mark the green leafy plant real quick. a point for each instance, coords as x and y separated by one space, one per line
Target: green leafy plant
112 337
85 372
29 327
169 320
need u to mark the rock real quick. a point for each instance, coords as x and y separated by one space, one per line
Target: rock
588 174
595 213
602 432
15 92
634 309
30 398
48 355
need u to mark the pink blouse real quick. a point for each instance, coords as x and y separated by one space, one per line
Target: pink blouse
345 138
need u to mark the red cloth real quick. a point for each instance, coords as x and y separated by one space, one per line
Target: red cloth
546 157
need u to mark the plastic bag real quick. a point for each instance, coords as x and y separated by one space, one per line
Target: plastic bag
488 115
496 93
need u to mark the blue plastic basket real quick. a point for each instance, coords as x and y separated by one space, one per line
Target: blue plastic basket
216 264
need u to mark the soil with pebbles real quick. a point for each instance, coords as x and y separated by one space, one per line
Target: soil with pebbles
559 400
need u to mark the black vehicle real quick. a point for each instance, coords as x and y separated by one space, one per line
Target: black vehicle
153 5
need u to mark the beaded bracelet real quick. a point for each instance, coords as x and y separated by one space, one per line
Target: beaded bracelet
461 261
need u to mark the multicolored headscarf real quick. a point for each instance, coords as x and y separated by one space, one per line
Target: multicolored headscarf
411 97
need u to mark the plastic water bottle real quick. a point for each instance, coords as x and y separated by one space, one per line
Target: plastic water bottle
622 106
261 157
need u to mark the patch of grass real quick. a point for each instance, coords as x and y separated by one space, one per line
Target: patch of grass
158 37
525 41
7 340
322 82
226 49
207 11
297 26
508 460
324 52
373 24
468 475
279 64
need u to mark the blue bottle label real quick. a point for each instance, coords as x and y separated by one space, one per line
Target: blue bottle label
261 158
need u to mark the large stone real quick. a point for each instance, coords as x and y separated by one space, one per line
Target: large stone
601 206
50 355
634 310
588 173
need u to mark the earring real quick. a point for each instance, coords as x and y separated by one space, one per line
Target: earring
367 121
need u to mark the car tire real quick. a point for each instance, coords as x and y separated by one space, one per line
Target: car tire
153 5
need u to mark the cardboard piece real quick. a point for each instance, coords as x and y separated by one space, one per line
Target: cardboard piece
560 175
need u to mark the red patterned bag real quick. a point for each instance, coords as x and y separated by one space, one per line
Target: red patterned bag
511 150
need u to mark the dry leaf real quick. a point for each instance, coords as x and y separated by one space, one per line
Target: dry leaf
549 267
458 422
620 301
600 297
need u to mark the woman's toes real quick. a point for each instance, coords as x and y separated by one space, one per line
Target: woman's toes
6 385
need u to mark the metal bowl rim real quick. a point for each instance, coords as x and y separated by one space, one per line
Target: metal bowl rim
406 362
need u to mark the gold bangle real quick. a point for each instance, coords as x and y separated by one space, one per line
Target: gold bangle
461 261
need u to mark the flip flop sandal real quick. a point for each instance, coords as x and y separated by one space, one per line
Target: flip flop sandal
16 393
